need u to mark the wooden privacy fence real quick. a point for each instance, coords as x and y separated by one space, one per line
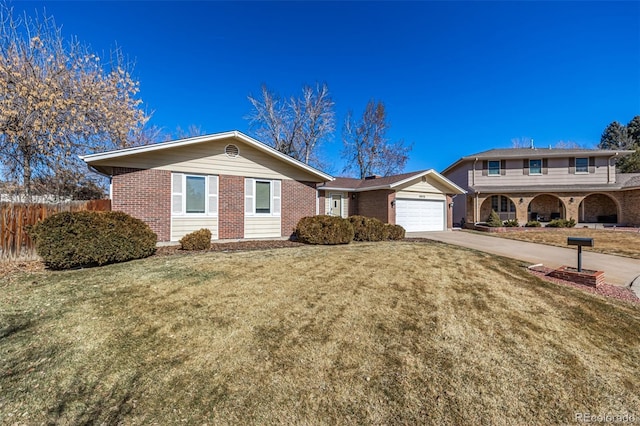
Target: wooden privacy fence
16 217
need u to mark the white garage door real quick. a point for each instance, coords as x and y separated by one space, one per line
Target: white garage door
420 215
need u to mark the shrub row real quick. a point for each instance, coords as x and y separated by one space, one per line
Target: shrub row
562 223
72 239
336 230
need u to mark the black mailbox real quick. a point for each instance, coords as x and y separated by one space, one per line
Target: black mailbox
580 242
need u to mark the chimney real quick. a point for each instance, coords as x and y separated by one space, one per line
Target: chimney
532 147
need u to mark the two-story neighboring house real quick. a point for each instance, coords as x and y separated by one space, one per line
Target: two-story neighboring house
544 184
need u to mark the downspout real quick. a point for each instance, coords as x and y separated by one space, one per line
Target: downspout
93 169
473 184
609 168
473 176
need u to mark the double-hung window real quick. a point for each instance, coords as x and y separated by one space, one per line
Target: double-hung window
582 165
194 195
535 167
494 168
262 197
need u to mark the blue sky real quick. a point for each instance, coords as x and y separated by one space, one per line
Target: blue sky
456 77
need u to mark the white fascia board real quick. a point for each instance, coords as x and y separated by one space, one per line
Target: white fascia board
437 176
206 138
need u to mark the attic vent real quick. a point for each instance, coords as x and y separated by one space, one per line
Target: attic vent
231 151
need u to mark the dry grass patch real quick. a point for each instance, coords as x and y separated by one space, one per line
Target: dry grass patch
381 333
620 243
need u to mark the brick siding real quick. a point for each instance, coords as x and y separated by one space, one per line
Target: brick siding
231 207
377 204
144 194
298 200
322 202
631 209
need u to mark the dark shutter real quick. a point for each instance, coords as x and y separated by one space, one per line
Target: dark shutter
485 168
545 166
503 167
572 166
592 164
525 167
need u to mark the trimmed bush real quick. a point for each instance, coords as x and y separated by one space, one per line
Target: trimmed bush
512 223
562 223
368 228
533 224
494 220
197 240
324 230
72 239
396 232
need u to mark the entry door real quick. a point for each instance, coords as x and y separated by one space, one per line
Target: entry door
336 205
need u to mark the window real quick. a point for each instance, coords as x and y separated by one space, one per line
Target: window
502 204
494 168
582 165
535 167
262 197
194 195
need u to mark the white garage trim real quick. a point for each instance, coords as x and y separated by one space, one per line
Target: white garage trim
416 215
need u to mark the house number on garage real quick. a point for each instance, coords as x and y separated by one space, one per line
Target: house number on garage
422 196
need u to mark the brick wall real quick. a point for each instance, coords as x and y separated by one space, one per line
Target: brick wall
321 202
146 195
631 208
298 201
377 204
231 207
449 201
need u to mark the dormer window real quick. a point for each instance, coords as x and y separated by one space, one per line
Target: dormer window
494 168
535 167
582 165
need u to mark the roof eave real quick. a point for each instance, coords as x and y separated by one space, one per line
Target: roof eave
207 138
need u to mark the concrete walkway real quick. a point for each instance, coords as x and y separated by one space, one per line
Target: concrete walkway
618 270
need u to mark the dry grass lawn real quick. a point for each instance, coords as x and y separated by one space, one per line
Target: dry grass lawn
371 333
608 241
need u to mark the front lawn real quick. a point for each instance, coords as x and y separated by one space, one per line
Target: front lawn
607 241
369 333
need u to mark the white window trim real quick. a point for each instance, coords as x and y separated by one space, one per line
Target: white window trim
207 192
489 168
272 201
537 173
576 166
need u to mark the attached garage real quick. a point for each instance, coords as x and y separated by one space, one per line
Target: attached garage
421 215
418 201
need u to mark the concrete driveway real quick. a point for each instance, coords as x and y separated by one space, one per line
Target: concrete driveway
618 270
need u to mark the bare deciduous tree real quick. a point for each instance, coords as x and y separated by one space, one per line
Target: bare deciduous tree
297 126
524 142
366 147
58 99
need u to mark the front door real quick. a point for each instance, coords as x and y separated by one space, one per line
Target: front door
336 205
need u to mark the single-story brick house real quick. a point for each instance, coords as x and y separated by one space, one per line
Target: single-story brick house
419 201
239 188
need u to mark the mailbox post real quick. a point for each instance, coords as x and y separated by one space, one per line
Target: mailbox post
580 242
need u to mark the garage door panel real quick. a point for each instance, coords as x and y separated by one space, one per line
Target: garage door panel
420 215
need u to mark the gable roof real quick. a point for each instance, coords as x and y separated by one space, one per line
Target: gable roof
120 153
387 182
525 153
